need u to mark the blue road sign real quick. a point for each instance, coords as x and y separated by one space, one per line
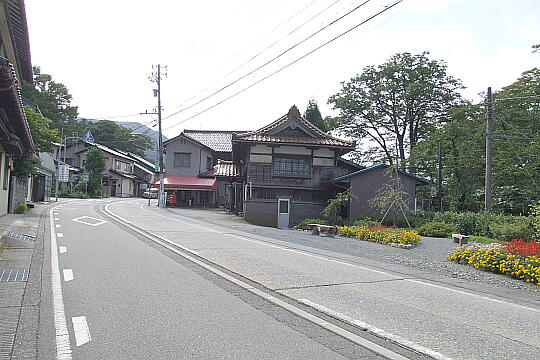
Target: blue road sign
88 137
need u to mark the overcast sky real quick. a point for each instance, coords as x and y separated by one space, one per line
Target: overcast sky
103 51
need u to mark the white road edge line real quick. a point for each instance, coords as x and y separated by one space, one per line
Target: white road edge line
353 265
81 330
374 330
62 249
68 274
389 354
63 348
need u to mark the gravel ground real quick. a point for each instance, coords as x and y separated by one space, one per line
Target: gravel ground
430 256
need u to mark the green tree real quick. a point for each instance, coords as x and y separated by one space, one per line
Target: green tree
463 148
391 107
42 134
112 135
516 162
313 115
94 164
53 100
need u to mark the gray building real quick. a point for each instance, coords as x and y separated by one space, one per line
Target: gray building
190 162
287 168
367 182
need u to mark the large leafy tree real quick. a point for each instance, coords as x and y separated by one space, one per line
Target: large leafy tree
54 101
389 108
313 115
516 160
42 134
462 142
110 134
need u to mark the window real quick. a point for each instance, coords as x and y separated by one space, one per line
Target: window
182 159
292 167
117 165
127 167
208 163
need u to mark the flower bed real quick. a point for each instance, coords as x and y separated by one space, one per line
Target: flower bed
499 261
523 248
381 235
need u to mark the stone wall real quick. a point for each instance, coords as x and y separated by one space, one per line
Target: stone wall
19 188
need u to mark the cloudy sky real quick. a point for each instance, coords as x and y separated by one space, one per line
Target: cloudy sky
103 51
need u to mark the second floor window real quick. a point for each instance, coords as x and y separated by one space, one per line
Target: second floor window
122 166
182 159
291 167
208 163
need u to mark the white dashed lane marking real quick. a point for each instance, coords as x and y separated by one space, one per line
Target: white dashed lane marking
68 275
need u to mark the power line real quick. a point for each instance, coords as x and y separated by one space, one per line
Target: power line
269 61
262 51
518 97
286 66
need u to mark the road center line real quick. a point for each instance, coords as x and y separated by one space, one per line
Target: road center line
59 235
63 348
63 249
420 282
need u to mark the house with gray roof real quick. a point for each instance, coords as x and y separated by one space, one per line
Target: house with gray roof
366 183
198 167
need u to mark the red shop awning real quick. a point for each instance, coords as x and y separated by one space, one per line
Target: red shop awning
187 183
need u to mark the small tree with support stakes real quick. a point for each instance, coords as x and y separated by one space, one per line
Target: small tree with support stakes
391 196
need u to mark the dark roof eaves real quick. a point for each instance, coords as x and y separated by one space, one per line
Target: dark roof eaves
378 165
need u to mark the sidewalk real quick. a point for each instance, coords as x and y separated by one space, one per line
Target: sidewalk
21 259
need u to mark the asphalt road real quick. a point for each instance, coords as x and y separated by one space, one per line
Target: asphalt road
410 308
110 294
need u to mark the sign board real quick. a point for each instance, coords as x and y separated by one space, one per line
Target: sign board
86 176
63 173
88 137
72 179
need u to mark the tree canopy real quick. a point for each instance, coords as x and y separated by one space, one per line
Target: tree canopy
389 108
54 102
313 115
516 160
42 134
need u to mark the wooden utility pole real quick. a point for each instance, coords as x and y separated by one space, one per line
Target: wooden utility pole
489 151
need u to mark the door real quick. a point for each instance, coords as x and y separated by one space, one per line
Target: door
284 207
113 187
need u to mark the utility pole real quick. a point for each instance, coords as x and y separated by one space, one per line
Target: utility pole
157 92
489 150
439 178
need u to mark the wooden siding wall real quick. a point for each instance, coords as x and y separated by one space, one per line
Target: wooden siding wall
259 169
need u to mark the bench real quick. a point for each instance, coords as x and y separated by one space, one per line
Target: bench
461 239
316 229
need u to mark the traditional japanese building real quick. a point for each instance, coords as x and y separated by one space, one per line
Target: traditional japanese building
287 168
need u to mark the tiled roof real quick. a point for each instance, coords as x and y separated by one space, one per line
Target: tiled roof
268 133
220 141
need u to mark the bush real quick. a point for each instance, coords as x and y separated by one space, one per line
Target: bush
508 232
380 234
437 229
499 261
304 224
469 223
20 208
482 240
